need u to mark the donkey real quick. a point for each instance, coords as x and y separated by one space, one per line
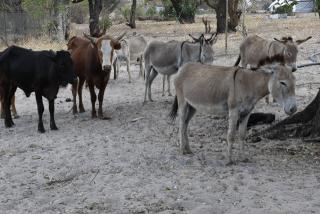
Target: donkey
131 51
254 48
166 57
230 90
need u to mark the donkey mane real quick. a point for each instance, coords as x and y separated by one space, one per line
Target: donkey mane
269 60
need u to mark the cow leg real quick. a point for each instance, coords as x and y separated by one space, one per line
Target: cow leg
53 125
74 94
168 81
93 99
80 86
13 106
8 93
187 112
40 112
242 135
128 69
232 127
153 75
100 99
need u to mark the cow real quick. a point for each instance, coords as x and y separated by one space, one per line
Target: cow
254 49
41 72
13 106
131 51
166 57
92 59
232 91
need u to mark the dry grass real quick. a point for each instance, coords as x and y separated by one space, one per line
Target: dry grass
299 26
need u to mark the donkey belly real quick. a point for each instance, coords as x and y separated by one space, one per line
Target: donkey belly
219 109
167 70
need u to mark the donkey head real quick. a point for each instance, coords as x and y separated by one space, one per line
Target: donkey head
290 51
282 83
206 51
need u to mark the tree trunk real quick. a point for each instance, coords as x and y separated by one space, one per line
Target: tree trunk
234 14
183 17
304 124
132 21
95 7
221 16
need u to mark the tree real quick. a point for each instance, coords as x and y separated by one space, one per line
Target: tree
95 8
304 124
132 20
186 10
220 7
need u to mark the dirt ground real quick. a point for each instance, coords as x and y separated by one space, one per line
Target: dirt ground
131 164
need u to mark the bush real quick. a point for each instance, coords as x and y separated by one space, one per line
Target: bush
77 14
125 12
168 11
151 11
287 8
105 23
318 7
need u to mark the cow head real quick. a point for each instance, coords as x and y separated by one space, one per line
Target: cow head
64 63
290 51
106 45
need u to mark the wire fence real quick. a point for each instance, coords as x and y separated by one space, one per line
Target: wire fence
20 25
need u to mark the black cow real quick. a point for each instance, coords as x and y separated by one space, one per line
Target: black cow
39 71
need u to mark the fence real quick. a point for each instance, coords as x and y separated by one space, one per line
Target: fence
16 26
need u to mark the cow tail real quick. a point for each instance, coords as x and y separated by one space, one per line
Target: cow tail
174 110
238 60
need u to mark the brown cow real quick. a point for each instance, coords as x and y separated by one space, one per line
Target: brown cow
88 56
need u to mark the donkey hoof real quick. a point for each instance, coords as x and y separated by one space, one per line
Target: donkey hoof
16 116
187 152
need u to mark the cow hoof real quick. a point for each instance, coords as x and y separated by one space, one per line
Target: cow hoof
81 111
54 127
42 130
75 111
187 152
170 95
230 163
245 160
16 116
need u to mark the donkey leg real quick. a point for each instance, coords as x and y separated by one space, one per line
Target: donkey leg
187 112
80 86
242 136
163 84
232 127
168 81
153 75
74 95
148 71
128 69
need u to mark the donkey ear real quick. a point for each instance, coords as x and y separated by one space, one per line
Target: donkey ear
303 40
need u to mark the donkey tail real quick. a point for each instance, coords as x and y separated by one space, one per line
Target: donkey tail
238 60
174 110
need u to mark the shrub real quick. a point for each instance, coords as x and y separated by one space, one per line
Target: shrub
125 12
77 14
287 8
151 11
105 23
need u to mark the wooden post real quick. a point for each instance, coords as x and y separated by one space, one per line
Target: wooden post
226 30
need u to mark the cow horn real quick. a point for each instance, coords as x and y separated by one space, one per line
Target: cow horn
107 37
91 39
213 36
121 36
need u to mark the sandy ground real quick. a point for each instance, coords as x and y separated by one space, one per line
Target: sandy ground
131 164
